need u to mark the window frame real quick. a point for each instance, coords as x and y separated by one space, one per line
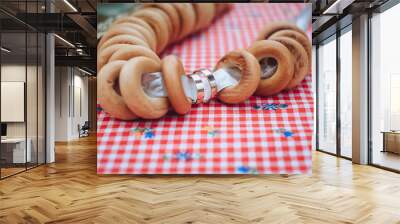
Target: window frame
334 37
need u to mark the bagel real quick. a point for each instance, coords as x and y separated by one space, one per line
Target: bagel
173 15
159 22
104 55
275 27
205 13
301 38
279 60
109 98
167 20
265 49
250 76
120 30
301 63
172 70
149 33
134 20
128 52
136 99
123 39
187 16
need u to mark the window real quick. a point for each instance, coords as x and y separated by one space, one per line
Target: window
346 95
385 89
327 96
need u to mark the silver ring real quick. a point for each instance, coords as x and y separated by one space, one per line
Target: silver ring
210 77
200 88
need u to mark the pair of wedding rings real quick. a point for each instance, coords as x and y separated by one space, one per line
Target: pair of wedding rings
200 78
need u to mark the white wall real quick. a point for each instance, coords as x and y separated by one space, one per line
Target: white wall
61 103
10 73
33 127
15 72
70 83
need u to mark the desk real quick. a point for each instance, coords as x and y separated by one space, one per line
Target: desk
15 148
391 141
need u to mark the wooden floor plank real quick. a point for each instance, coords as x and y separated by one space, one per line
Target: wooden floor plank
70 191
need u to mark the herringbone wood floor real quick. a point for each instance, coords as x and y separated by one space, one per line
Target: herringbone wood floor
69 191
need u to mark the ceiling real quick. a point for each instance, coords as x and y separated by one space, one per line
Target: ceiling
332 15
72 20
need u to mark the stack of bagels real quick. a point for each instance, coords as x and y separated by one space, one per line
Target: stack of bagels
278 60
292 51
156 25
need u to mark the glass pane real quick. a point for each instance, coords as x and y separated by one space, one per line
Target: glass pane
327 97
385 86
346 94
13 86
23 87
31 98
32 87
41 98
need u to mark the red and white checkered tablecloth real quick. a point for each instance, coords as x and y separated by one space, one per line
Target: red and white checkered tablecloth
271 135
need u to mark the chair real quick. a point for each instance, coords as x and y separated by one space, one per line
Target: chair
84 130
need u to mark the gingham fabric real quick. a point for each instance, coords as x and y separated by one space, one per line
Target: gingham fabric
270 135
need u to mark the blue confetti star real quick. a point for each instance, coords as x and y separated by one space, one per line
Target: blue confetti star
270 106
148 134
183 156
243 169
288 134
